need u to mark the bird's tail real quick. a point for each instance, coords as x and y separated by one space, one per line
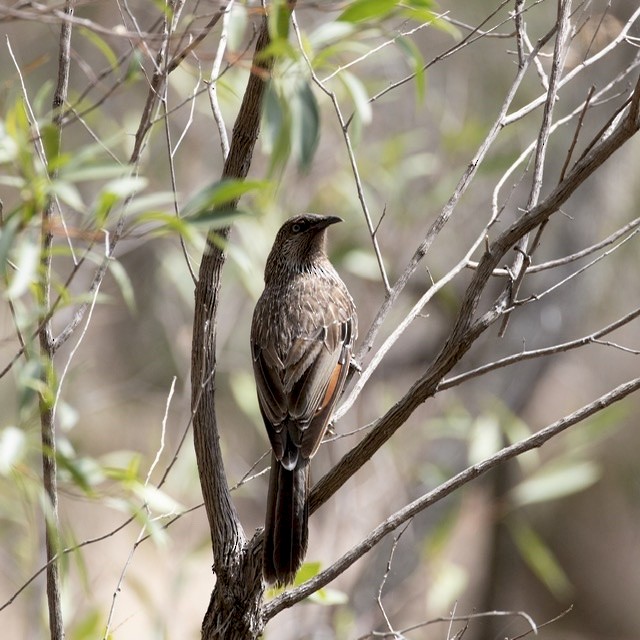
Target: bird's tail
286 528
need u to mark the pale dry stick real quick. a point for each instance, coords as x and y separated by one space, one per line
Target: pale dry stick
620 347
38 12
576 134
544 79
444 216
592 338
522 258
534 104
475 34
145 507
479 32
198 38
189 122
212 86
80 118
545 624
350 152
562 121
533 627
386 43
402 326
559 262
536 440
450 627
394 546
171 158
163 431
138 40
602 256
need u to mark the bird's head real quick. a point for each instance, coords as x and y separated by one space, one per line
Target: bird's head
299 244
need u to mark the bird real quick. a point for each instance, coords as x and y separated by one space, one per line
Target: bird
302 335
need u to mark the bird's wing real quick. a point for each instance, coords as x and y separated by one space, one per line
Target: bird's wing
300 371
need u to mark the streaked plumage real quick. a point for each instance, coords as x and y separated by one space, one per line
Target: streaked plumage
302 334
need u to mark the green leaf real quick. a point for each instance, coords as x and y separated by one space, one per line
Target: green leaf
157 500
556 481
359 96
362 10
448 583
329 597
101 45
279 19
539 557
51 141
276 127
305 125
485 439
85 473
224 192
419 10
125 186
236 26
416 61
8 146
68 193
149 202
121 277
27 259
13 446
329 33
92 172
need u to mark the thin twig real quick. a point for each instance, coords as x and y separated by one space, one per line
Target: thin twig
352 158
592 338
568 77
212 86
523 256
574 140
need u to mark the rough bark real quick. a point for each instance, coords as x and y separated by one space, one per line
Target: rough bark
234 608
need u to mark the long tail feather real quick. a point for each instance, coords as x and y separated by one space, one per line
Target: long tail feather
286 523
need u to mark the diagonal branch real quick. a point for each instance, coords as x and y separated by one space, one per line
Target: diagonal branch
536 440
466 329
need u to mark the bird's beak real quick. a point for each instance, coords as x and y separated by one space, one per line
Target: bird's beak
325 221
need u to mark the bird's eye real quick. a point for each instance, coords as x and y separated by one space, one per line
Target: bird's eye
296 228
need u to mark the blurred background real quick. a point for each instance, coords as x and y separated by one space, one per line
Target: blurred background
558 528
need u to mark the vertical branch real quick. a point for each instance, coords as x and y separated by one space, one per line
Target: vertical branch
227 535
45 337
523 257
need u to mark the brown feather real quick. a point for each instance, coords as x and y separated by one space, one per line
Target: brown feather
302 334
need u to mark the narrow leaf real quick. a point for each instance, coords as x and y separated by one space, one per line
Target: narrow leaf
362 10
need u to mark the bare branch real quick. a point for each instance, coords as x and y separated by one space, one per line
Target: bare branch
522 254
464 477
447 211
593 338
534 104
344 125
466 330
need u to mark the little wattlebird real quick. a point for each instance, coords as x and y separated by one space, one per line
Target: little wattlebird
302 334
